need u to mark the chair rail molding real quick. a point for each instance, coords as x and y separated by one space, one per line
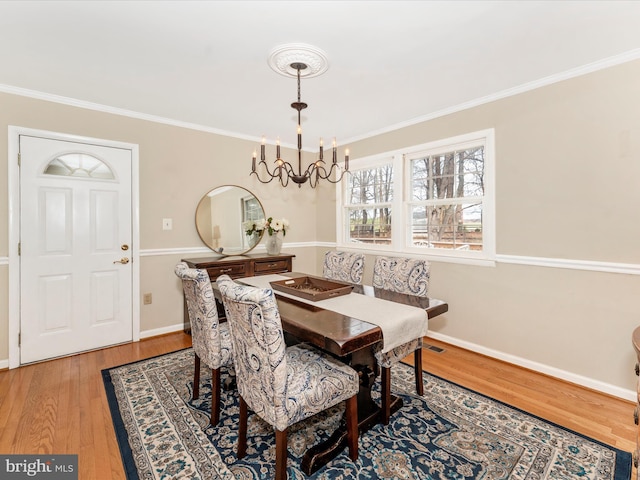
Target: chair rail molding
566 263
572 264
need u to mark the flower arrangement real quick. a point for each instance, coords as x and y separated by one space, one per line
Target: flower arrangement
270 225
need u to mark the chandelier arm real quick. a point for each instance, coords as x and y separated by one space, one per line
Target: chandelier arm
271 178
315 171
266 167
322 173
284 182
286 166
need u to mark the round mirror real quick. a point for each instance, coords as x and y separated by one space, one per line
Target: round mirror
223 216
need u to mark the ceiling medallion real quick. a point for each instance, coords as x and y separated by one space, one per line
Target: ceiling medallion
283 57
299 60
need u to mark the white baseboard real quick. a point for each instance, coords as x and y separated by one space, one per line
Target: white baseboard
539 367
161 331
535 366
4 363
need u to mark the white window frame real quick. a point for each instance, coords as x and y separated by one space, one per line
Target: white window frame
400 220
342 216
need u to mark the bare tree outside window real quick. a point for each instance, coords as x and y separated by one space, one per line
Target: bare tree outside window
439 197
447 192
370 193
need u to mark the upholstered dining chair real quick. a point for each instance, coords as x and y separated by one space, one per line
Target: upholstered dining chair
402 275
211 340
343 266
282 385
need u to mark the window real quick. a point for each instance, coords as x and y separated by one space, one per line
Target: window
369 205
434 199
79 165
251 209
446 190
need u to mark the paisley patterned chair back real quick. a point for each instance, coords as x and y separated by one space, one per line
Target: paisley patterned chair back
282 385
402 275
211 341
261 364
203 315
409 276
343 266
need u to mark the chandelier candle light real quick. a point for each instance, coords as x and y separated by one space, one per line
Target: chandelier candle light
284 171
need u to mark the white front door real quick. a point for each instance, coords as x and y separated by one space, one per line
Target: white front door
76 244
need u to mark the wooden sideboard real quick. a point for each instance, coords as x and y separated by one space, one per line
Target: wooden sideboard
236 267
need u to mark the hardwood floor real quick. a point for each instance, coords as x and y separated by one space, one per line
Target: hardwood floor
60 406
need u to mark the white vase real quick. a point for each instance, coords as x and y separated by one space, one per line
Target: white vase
274 243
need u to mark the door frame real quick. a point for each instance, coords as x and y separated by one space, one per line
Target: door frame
14 228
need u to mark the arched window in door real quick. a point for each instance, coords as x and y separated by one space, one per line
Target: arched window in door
80 165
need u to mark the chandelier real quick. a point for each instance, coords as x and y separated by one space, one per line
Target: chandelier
283 170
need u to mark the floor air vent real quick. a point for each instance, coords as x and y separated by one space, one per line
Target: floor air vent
433 348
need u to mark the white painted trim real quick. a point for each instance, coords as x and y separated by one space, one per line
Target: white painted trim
323 244
571 264
13 179
162 331
565 263
400 159
526 87
539 367
135 236
152 252
4 260
73 102
418 253
534 366
4 363
559 77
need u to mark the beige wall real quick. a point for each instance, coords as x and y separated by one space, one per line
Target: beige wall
567 174
568 189
177 167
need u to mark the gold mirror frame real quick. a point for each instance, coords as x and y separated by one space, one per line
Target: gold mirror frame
221 217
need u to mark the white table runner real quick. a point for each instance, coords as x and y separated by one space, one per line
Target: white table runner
399 323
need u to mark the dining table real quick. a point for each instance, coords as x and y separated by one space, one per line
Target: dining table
351 336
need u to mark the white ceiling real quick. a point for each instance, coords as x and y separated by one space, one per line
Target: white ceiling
391 63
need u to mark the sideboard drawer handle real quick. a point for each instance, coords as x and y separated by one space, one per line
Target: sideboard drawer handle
225 270
635 415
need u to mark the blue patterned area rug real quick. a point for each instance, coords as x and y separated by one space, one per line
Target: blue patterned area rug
450 433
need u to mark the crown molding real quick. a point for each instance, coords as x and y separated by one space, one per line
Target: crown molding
73 102
576 72
526 87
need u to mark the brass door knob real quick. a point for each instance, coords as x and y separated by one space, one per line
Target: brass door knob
123 260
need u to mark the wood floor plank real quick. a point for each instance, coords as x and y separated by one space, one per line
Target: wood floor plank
60 406
603 417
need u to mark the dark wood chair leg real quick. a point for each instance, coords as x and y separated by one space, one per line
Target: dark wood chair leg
196 377
385 394
281 454
351 414
215 396
242 429
418 369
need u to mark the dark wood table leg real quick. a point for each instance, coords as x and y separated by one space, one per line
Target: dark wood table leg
369 414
